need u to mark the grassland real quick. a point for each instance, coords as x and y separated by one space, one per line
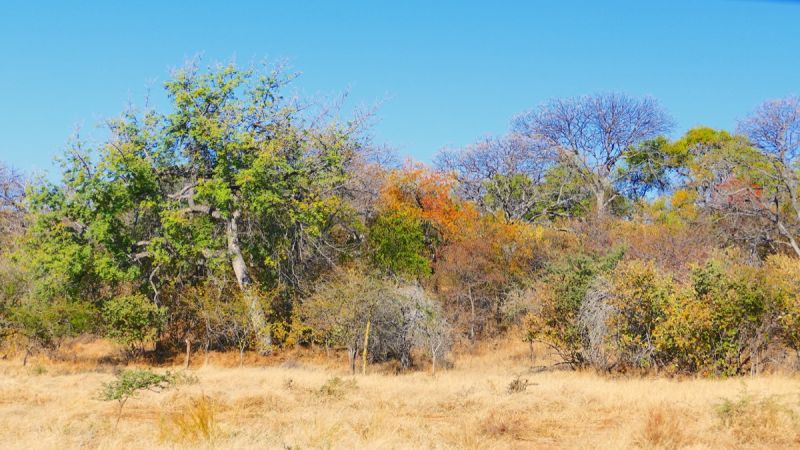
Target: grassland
312 402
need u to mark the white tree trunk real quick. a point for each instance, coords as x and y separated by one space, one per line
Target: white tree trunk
257 318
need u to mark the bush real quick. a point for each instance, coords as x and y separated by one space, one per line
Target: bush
720 323
132 319
561 294
129 383
394 318
47 323
639 295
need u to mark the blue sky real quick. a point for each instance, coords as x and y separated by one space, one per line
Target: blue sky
445 73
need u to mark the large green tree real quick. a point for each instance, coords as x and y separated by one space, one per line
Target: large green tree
233 179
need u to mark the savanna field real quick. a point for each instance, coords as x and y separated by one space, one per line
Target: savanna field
307 401
232 264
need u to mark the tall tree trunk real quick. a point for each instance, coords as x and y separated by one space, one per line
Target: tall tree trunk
364 352
257 317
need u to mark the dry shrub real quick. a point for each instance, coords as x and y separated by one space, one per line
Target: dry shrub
193 422
512 424
664 428
517 385
760 421
337 387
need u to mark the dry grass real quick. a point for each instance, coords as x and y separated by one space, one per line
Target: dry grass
307 405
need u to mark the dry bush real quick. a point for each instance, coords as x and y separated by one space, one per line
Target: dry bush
664 428
192 422
517 385
337 387
761 421
498 424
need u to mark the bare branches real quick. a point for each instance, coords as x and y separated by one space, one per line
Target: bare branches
592 133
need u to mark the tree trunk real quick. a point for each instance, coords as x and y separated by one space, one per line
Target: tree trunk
433 359
351 359
472 318
364 352
188 353
792 241
600 205
257 317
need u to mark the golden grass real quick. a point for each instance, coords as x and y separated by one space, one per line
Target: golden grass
309 405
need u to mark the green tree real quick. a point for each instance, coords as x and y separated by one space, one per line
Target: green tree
399 245
232 180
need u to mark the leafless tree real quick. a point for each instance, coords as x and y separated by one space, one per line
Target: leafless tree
501 173
592 133
12 192
774 128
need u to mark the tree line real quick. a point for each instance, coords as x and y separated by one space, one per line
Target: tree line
242 218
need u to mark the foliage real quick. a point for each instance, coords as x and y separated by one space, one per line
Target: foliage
399 244
132 319
129 383
47 323
236 217
560 296
396 318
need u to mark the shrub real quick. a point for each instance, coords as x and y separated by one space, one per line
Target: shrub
46 323
560 296
638 298
355 310
720 323
132 319
129 383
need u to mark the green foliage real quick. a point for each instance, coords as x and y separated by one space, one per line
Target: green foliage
639 296
719 322
398 244
561 295
129 383
47 323
132 319
648 166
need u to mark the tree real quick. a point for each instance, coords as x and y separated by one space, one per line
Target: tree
592 134
747 190
233 180
12 193
502 174
774 128
343 309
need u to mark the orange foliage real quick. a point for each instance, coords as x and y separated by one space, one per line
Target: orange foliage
427 195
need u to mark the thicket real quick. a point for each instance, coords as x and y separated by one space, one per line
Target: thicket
240 218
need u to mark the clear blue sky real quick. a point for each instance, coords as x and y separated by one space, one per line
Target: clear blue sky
446 73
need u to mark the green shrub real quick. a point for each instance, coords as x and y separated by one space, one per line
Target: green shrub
129 383
720 322
132 319
561 294
639 294
47 323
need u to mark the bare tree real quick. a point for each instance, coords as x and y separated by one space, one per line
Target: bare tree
774 128
12 191
592 133
502 173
